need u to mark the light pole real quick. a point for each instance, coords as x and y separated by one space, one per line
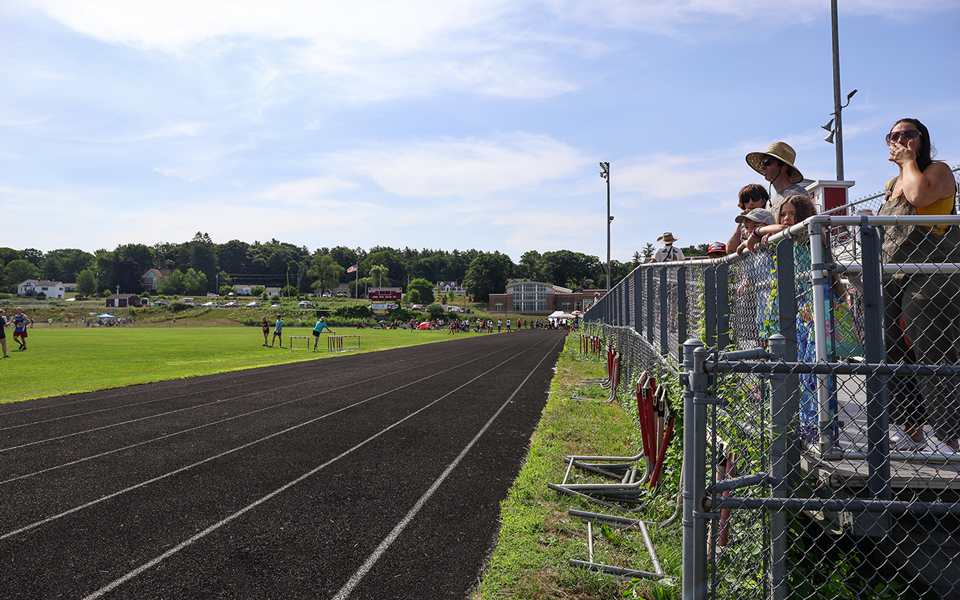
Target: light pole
836 130
605 173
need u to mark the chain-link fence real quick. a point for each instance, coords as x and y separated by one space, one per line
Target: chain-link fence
820 426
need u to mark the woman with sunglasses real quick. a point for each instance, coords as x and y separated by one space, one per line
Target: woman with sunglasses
921 308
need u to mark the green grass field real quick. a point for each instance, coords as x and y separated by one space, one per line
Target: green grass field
67 360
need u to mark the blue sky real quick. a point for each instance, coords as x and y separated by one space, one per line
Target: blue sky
437 124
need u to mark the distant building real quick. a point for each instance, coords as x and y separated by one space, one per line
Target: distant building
51 289
152 278
445 287
537 297
123 300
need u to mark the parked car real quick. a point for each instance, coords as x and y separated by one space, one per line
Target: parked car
209 305
341 294
455 309
305 304
231 305
253 304
274 306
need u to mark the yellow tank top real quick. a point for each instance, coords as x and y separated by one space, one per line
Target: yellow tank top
943 206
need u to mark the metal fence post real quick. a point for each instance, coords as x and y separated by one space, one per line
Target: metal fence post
664 311
637 301
649 294
710 305
787 311
878 442
779 471
695 385
723 306
682 311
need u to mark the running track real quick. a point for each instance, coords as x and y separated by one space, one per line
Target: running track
364 476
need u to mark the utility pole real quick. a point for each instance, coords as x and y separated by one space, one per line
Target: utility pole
605 173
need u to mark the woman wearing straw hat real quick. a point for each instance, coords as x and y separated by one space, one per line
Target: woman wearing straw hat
668 253
776 166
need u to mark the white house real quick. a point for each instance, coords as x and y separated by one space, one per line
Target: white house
50 289
151 279
445 287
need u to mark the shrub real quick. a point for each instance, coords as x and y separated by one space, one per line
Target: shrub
354 311
177 306
435 311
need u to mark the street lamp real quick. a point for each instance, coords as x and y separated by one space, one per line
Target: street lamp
605 173
836 130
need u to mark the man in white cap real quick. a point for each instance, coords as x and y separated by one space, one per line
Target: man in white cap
668 253
776 166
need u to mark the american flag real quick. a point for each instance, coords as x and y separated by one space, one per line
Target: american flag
352 269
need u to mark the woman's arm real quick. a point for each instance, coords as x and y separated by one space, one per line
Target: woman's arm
922 189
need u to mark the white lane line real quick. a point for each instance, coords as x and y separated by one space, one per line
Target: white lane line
222 454
246 414
186 543
155 416
392 537
127 393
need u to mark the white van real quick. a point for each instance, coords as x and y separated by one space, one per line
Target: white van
187 301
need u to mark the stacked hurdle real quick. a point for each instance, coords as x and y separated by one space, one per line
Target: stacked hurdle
335 343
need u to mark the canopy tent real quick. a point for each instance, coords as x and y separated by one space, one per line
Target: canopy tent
106 316
557 314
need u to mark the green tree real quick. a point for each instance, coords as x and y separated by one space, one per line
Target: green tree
435 311
648 252
326 272
487 275
289 291
195 282
86 283
413 296
16 272
532 267
565 268
225 290
172 284
378 273
424 288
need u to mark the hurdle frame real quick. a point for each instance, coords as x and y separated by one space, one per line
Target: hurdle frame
299 337
335 343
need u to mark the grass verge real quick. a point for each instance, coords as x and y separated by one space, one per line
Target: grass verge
538 537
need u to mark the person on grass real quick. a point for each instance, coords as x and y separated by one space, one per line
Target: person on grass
3 335
318 329
265 326
20 323
277 331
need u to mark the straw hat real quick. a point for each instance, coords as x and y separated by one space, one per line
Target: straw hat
667 238
781 151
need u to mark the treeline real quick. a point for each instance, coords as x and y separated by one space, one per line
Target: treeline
200 266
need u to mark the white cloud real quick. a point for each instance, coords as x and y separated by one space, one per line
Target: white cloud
469 168
310 191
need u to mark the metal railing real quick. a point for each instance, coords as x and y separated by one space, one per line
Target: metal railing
799 479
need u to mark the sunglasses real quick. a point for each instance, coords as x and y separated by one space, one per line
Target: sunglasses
767 162
909 135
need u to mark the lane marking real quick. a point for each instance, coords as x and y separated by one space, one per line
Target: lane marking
171 412
231 451
267 382
199 536
392 537
246 414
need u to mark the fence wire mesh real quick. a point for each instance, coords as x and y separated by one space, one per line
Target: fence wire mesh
827 465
